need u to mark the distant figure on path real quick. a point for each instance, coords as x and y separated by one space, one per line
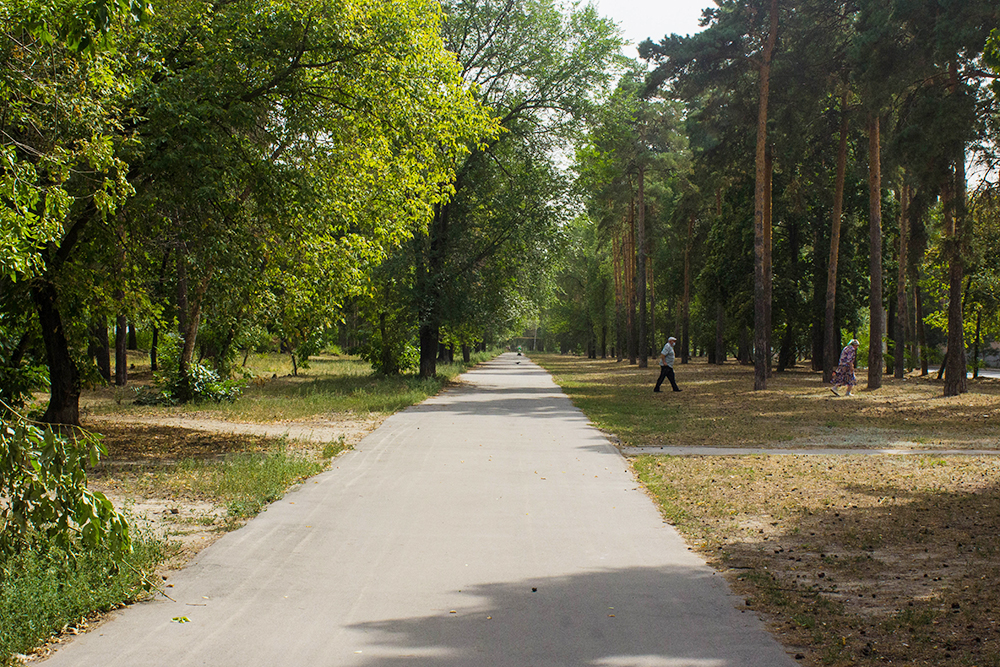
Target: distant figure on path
667 365
843 375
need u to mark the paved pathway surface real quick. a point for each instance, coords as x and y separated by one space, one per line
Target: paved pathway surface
490 526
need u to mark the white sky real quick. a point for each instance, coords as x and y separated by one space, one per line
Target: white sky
640 19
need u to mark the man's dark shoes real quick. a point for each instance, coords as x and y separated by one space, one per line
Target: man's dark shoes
677 390
656 391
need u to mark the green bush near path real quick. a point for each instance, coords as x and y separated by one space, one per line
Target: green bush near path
43 589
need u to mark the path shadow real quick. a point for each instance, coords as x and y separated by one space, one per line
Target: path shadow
654 617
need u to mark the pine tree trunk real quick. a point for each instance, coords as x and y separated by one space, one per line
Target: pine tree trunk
618 269
901 315
633 339
762 296
831 344
877 328
640 270
956 381
768 251
686 315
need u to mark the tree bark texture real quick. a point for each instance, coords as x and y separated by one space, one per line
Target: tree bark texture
640 270
64 392
955 380
899 367
633 339
762 296
686 315
877 327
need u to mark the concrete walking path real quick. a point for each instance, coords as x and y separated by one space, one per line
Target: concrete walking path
489 526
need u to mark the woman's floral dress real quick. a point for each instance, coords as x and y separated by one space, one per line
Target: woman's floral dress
844 374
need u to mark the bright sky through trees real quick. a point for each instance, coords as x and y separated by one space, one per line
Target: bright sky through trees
640 19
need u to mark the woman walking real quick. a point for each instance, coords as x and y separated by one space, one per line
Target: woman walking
843 375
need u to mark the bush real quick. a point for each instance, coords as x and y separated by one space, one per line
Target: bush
44 588
198 384
43 490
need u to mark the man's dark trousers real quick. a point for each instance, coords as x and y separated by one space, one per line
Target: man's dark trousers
666 372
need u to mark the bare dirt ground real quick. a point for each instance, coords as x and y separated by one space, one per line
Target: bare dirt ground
142 451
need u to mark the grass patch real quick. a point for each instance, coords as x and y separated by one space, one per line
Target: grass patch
246 482
329 386
44 590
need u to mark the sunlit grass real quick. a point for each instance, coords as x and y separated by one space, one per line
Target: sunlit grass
327 387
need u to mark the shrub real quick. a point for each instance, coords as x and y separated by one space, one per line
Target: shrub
43 490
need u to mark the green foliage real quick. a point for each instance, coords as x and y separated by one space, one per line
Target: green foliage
43 489
44 588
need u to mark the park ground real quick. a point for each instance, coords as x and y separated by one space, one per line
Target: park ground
852 559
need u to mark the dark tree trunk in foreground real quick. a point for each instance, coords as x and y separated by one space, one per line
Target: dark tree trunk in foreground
64 398
877 328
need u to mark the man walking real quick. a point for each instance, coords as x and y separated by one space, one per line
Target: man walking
667 365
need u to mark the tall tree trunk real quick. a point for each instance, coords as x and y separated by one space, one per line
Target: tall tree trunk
616 252
955 380
686 315
901 314
762 296
640 269
877 327
64 389
768 250
633 339
652 297
831 344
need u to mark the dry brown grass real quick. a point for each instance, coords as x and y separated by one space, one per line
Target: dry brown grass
853 560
